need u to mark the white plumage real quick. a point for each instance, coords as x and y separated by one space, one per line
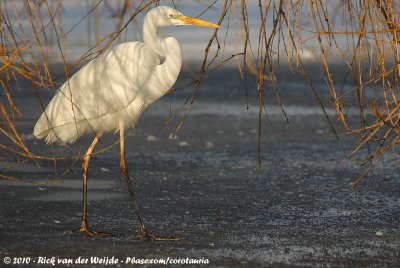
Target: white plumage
111 91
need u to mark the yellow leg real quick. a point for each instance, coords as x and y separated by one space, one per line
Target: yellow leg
85 166
143 232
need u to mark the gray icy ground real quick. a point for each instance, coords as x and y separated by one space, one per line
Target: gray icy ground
203 186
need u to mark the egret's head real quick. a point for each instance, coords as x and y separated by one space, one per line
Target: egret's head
169 16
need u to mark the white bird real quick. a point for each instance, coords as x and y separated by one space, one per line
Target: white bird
110 92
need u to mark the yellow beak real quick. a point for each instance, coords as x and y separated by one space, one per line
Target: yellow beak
198 22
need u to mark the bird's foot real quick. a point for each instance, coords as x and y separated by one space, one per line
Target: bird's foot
146 235
88 231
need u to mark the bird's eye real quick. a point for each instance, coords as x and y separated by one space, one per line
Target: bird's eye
170 16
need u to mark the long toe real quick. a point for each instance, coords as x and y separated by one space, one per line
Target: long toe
147 235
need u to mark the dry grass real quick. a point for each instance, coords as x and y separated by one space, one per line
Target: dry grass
363 35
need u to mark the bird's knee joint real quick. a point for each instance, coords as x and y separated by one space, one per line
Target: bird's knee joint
85 157
85 161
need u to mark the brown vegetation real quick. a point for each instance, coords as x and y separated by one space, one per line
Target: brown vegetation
363 35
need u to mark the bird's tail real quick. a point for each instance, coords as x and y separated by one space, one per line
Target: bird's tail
62 133
43 130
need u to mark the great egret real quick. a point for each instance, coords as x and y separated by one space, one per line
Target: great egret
110 92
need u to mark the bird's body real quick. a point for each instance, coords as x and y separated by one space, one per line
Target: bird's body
110 92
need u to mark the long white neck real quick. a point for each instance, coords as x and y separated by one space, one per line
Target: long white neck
150 33
165 75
